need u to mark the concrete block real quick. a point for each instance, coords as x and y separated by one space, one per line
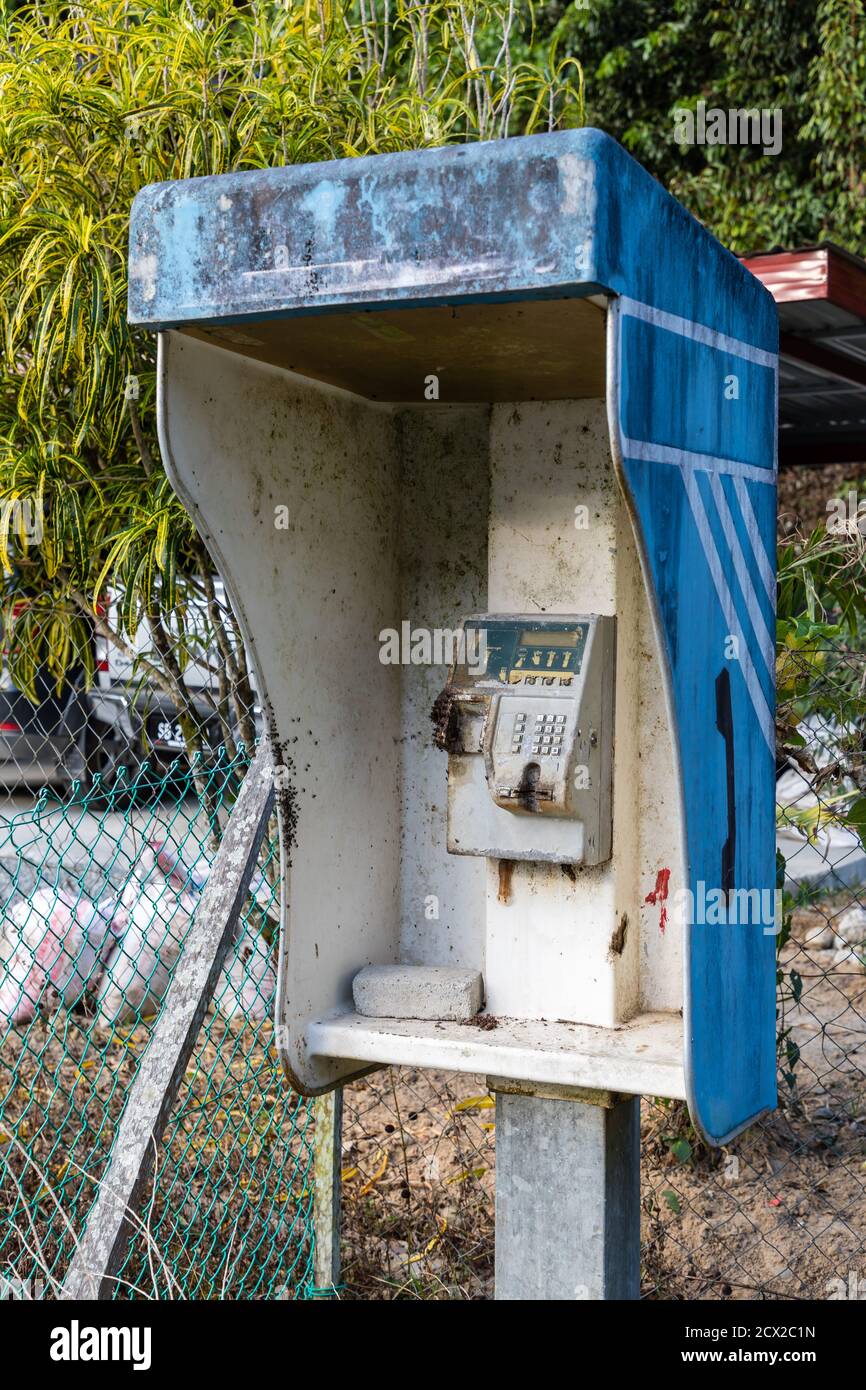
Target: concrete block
418 991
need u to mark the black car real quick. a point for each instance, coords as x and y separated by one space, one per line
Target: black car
64 737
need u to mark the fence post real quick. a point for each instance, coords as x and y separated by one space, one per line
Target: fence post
327 1169
112 1219
567 1195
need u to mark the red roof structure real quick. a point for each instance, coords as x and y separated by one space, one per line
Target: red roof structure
820 292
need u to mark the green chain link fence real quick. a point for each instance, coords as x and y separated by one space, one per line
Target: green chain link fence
98 892
779 1213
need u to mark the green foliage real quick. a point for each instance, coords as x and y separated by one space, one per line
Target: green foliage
821 613
821 622
679 1147
838 121
643 59
101 98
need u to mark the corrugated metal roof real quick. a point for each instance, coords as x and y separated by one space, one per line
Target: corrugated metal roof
820 293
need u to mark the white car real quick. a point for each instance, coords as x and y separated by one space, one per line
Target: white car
145 717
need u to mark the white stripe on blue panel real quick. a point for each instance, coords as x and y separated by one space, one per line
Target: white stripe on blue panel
660 318
642 451
753 685
759 550
759 625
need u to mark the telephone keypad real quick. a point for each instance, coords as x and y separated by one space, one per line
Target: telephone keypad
545 735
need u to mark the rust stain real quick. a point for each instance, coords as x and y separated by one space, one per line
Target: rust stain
617 941
659 895
506 869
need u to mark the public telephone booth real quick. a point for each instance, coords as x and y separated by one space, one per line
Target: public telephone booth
482 441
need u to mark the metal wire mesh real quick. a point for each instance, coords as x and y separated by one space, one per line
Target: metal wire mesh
780 1213
418 1174
99 890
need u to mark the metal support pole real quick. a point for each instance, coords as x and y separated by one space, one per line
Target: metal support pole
327 1169
567 1196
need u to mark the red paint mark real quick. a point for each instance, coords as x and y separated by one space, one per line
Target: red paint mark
659 895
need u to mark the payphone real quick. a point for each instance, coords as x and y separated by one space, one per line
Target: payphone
527 721
560 422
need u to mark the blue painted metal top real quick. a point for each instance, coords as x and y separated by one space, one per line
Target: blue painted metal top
692 375
546 215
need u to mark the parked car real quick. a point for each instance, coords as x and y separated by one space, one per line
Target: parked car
121 721
40 743
145 713
62 738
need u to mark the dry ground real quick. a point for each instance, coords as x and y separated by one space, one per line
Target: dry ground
780 1213
232 1212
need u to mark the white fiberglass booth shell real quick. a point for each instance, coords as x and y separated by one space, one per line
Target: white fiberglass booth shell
513 379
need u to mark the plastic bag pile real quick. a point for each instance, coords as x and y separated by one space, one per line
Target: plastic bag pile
114 958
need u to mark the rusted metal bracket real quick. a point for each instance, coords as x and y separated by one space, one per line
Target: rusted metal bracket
550 1091
112 1220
